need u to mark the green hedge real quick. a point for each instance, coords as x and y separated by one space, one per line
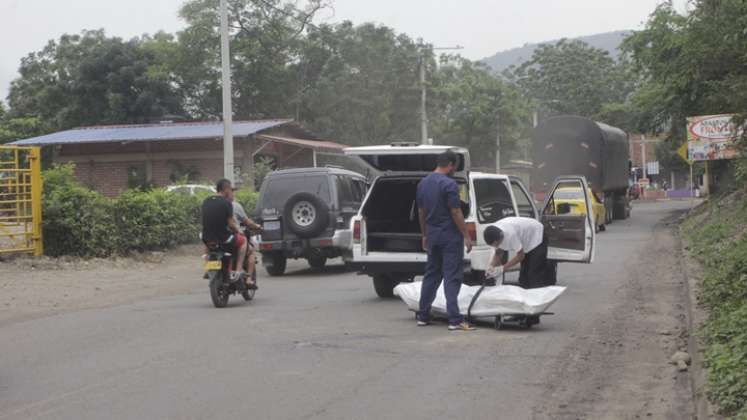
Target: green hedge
82 222
716 236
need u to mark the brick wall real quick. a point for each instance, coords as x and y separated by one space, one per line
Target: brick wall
105 167
109 179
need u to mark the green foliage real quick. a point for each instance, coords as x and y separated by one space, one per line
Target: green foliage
248 199
466 103
92 79
82 222
717 238
12 129
572 77
76 220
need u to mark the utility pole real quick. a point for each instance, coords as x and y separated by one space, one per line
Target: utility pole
643 155
423 110
498 142
226 88
423 88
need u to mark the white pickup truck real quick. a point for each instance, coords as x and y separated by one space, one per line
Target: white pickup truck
386 232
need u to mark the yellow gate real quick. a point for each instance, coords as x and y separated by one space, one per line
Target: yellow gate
20 200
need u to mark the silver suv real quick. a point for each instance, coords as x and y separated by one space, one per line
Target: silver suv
306 213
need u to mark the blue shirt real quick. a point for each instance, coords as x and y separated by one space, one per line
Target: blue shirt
437 194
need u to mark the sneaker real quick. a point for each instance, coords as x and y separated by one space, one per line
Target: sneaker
463 326
422 323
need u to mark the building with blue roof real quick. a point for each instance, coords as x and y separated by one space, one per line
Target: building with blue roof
113 158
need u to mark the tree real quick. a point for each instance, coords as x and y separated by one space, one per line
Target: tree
93 79
265 38
467 101
571 77
359 84
690 65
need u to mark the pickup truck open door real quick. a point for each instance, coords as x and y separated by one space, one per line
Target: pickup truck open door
570 232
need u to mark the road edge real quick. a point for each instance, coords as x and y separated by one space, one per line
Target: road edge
696 315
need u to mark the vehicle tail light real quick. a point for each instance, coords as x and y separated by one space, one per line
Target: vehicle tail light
325 242
265 246
472 230
357 231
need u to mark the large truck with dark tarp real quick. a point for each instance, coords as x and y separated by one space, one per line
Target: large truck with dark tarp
571 145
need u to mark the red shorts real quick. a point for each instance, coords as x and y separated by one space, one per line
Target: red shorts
240 240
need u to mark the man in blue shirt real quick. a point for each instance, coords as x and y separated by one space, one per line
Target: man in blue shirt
445 236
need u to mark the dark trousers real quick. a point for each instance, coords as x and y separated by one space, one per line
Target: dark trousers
536 270
445 262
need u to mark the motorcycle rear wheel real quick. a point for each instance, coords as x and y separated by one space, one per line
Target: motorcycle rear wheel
218 291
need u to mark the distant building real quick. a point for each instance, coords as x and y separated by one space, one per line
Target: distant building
111 159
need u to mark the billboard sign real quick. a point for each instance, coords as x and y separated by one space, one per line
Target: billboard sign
711 137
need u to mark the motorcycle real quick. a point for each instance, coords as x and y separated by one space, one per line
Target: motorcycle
218 272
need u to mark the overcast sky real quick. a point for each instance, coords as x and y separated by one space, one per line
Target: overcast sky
483 27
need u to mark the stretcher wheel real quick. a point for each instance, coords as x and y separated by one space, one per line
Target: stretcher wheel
498 322
524 323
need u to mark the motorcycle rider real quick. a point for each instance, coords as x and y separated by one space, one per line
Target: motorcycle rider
240 214
219 223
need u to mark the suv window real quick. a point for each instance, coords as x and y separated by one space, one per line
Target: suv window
345 194
493 200
522 201
279 189
359 189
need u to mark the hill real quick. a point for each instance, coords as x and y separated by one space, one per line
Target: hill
609 41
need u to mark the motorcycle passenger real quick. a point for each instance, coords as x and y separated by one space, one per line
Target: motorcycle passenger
240 214
219 224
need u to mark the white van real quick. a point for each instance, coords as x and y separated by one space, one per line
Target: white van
386 232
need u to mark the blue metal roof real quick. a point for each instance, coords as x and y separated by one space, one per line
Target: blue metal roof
150 132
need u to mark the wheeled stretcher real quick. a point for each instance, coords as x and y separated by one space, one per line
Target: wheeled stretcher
500 303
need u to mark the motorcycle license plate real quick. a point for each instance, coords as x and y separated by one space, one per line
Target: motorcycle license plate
213 265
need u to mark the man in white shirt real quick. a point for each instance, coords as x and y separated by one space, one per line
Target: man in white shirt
525 237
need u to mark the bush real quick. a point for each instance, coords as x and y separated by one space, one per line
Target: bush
155 220
82 222
76 220
248 199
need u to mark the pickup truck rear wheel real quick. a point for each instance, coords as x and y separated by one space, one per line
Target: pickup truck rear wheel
384 283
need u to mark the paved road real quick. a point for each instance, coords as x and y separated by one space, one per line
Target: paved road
317 346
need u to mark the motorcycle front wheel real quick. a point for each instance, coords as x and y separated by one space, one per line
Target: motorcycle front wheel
249 293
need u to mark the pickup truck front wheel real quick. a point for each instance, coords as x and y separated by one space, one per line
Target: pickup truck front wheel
384 283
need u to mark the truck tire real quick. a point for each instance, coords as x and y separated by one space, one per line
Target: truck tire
274 263
620 208
306 215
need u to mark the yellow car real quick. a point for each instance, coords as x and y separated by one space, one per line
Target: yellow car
571 200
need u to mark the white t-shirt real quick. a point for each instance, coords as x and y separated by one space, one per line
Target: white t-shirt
520 233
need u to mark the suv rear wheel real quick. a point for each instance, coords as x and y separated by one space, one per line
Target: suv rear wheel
275 263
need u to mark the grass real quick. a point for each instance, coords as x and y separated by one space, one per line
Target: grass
715 235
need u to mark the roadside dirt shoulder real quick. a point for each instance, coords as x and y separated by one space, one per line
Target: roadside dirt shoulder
32 288
621 369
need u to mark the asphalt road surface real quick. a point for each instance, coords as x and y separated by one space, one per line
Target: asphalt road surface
323 346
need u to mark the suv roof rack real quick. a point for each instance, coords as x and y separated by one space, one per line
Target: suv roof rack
334 166
404 144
